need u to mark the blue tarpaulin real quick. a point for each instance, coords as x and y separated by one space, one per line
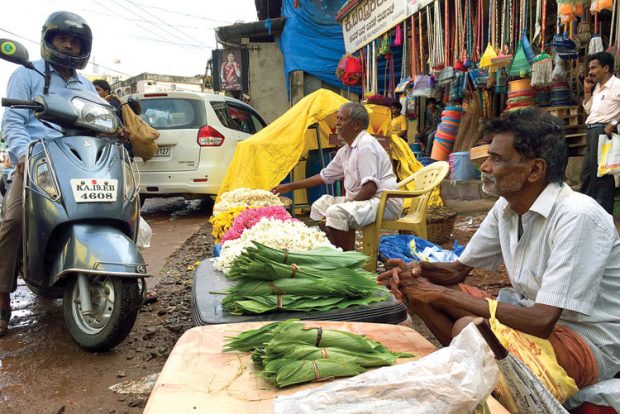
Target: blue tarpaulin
312 41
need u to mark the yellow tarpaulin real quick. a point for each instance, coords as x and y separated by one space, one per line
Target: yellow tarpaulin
263 160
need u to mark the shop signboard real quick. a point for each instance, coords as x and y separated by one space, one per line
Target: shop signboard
414 6
369 19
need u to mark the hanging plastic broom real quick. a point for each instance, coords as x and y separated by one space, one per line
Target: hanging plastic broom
543 64
520 66
596 43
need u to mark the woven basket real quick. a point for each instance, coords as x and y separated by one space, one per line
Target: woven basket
439 224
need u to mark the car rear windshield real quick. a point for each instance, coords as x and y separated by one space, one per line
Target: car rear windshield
238 117
174 113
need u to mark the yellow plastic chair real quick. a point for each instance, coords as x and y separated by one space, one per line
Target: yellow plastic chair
425 180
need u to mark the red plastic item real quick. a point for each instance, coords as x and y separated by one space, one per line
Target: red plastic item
353 71
588 408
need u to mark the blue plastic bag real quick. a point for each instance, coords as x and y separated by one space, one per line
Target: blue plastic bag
397 246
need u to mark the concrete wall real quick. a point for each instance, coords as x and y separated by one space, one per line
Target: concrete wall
267 83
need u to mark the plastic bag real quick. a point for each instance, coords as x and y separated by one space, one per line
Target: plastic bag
608 155
353 71
141 135
407 246
537 354
454 379
423 86
145 233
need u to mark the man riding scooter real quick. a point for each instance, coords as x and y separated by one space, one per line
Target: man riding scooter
66 42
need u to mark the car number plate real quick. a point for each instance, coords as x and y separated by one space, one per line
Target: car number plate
94 190
162 152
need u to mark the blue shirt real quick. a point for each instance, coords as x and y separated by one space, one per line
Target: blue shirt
20 126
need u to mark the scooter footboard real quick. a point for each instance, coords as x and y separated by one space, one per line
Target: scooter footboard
98 249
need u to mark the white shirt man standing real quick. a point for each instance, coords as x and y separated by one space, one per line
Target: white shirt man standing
603 108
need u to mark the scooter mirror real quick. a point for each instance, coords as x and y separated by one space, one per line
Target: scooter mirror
14 52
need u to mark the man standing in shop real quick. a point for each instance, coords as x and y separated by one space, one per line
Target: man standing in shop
602 104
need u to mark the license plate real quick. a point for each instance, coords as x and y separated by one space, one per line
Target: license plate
94 190
162 152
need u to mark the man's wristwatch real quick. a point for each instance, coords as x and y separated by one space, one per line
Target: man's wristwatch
614 123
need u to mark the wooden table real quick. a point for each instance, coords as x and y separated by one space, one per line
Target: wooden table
199 378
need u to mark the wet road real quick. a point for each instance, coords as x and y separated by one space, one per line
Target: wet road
39 358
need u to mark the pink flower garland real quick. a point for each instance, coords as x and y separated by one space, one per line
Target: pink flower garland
248 218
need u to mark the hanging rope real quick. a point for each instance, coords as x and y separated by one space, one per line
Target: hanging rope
422 67
460 32
437 55
414 49
544 26
503 33
403 67
470 30
430 38
480 30
447 25
375 72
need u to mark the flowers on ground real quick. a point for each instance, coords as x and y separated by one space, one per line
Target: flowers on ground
248 218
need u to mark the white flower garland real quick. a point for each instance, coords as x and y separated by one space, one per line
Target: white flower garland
245 197
290 235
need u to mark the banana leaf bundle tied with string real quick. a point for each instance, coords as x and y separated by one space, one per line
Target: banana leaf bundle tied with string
289 353
319 280
324 258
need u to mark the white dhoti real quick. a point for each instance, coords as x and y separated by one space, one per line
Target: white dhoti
344 215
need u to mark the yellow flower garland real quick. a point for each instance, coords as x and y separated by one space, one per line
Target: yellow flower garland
222 222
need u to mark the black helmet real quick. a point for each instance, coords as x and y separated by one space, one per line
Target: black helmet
70 23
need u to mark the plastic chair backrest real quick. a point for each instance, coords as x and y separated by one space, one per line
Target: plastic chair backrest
425 180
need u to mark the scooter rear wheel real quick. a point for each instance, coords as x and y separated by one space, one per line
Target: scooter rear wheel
115 304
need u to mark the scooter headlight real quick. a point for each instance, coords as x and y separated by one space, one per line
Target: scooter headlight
95 116
44 180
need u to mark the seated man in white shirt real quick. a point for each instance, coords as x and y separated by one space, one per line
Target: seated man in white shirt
560 248
367 172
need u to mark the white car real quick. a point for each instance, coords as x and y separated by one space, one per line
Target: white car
198 136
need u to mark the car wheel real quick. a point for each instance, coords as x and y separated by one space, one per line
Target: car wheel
207 204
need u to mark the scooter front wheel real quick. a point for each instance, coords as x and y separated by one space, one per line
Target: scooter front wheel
115 304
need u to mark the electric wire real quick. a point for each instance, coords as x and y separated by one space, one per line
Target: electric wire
164 29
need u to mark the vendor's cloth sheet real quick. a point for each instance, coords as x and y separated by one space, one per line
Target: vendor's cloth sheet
263 160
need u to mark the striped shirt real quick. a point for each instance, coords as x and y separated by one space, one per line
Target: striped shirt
568 257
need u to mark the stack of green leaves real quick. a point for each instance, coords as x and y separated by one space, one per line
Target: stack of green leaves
316 280
288 353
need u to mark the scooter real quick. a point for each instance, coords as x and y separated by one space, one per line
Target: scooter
81 214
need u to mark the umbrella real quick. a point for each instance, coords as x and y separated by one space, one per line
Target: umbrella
530 396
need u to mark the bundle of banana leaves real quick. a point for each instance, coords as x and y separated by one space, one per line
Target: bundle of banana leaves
316 280
289 353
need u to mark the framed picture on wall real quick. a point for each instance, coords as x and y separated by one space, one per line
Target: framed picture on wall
230 70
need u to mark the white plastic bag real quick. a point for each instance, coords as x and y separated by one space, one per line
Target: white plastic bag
454 379
144 234
608 155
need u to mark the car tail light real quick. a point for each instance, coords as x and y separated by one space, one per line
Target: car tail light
154 95
209 137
